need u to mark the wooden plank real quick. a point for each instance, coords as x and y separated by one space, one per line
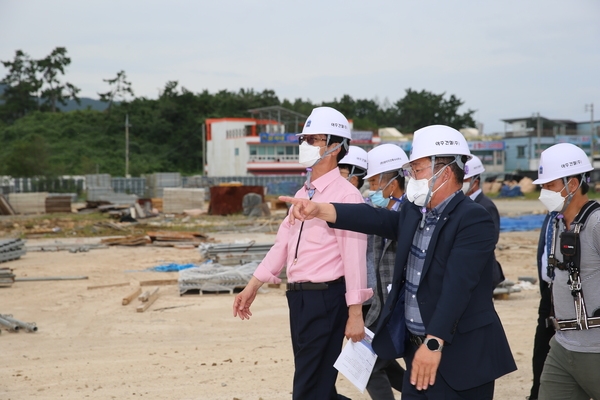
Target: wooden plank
151 299
5 207
108 286
176 235
136 240
159 282
144 296
129 298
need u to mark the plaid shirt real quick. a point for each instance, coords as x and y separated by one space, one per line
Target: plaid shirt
383 256
415 263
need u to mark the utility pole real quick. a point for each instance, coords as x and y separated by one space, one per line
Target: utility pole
590 107
127 145
539 132
204 149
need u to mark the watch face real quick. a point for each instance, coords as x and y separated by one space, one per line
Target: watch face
433 344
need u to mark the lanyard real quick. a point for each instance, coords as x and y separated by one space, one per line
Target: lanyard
311 193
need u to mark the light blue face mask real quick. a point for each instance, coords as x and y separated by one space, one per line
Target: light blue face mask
377 196
378 199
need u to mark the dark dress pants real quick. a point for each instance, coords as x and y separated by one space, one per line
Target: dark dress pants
541 342
317 324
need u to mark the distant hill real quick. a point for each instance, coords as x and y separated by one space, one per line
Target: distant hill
86 102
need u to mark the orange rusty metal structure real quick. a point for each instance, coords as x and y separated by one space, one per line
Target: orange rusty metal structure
226 200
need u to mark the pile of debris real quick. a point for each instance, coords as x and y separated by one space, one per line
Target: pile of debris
168 238
504 289
160 238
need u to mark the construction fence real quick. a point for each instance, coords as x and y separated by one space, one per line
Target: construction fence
93 187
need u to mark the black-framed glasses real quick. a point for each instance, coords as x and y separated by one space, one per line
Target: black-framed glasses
310 139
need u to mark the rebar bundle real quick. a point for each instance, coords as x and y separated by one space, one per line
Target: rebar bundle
234 253
215 277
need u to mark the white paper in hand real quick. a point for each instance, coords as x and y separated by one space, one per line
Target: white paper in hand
356 361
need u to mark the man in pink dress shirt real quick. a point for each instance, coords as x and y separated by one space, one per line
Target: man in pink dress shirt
326 268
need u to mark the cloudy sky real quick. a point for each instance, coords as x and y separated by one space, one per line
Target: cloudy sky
505 59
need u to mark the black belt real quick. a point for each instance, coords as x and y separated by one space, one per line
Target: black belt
313 285
416 339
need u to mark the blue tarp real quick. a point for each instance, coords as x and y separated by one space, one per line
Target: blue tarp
506 191
171 267
522 223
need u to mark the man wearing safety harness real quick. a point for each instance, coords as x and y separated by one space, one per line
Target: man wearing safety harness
439 313
573 264
386 183
326 268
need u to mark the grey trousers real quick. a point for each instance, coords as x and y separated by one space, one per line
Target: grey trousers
570 375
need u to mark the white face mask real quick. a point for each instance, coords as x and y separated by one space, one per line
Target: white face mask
309 155
466 186
418 189
552 200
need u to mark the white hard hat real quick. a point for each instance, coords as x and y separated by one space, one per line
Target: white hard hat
561 160
473 167
384 158
439 141
356 156
327 121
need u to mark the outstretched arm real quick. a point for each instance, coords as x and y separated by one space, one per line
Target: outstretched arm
304 209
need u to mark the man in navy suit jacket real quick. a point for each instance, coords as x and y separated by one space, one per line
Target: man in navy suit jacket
456 346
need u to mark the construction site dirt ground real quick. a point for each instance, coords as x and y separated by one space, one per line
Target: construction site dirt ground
89 345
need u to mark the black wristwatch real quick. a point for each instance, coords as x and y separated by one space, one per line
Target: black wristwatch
433 344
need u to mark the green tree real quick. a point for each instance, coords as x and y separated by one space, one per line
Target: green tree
27 157
53 90
418 109
21 86
120 89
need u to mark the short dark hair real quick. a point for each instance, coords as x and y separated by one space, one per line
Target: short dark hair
583 179
348 167
397 175
459 173
343 149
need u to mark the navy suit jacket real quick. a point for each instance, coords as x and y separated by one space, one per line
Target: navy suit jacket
455 292
491 208
488 204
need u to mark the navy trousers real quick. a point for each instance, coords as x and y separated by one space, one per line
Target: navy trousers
317 324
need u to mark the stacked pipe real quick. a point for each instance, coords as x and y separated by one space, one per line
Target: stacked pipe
11 249
7 278
15 325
